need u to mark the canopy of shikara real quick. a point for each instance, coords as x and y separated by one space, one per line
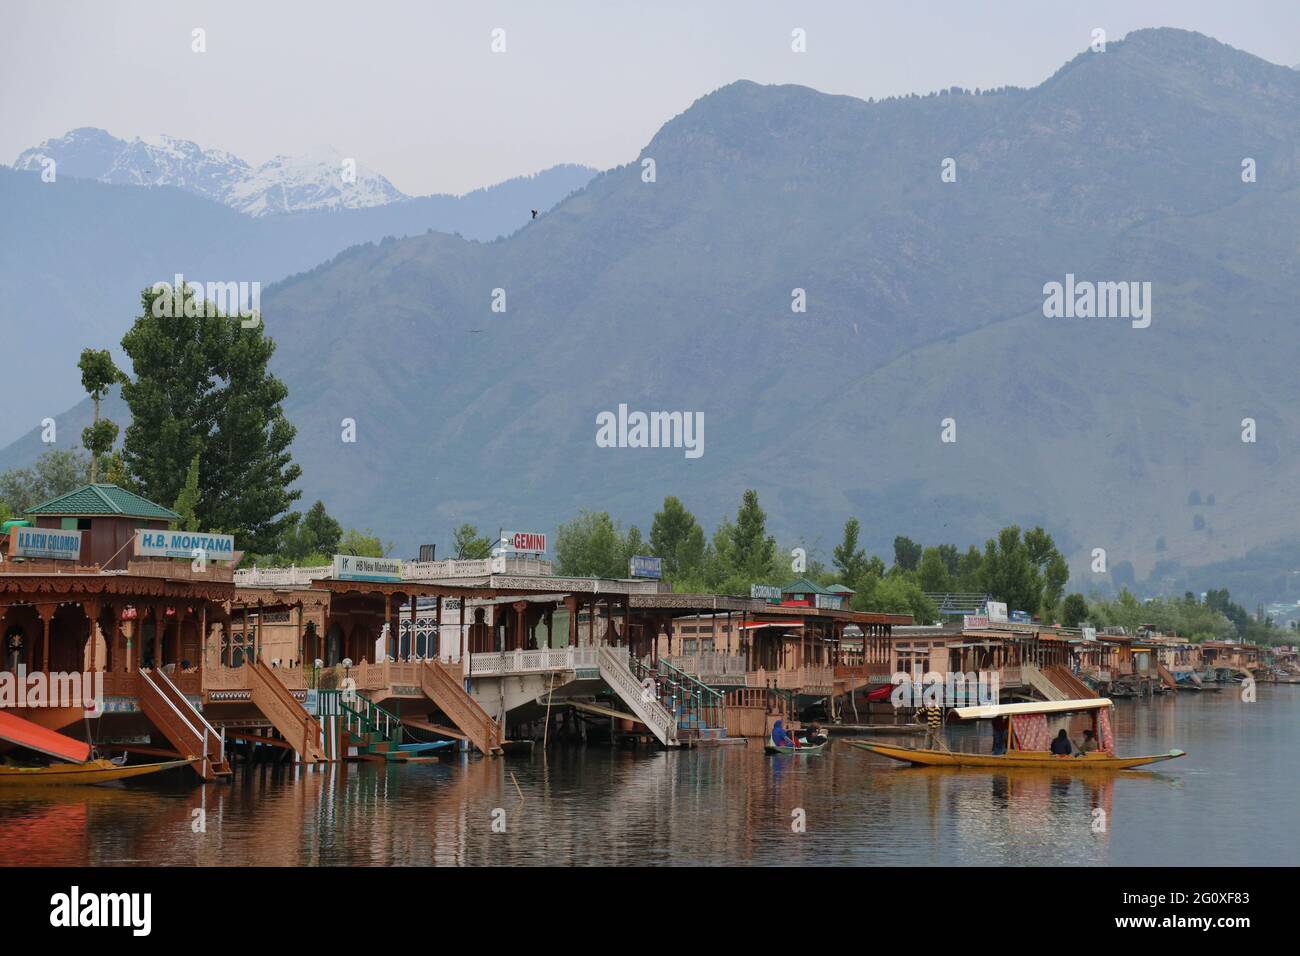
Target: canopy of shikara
1031 707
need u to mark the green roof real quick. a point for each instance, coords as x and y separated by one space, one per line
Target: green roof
840 589
804 586
103 500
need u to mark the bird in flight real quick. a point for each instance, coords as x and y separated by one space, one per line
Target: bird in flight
534 213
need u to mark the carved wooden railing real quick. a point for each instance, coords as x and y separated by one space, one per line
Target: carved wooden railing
274 700
463 710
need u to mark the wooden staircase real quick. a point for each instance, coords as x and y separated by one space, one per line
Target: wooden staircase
1039 681
1064 678
182 724
1168 678
616 671
444 688
285 713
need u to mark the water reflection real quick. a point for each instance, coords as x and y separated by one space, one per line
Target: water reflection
730 805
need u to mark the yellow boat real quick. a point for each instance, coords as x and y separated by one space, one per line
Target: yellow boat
1022 758
90 772
942 758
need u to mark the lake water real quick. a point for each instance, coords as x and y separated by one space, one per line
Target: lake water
1230 801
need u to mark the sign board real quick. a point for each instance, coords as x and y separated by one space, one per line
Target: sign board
1089 633
973 622
641 566
44 543
349 567
183 544
531 542
833 602
768 592
997 611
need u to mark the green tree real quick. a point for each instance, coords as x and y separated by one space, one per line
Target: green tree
849 559
1074 610
673 537
753 551
55 473
98 374
469 545
188 499
202 387
321 532
932 573
590 545
363 544
907 553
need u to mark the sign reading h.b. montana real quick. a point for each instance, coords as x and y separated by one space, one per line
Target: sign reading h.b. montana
349 567
184 544
44 543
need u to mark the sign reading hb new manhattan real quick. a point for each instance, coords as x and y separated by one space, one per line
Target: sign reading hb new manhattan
349 567
44 543
184 544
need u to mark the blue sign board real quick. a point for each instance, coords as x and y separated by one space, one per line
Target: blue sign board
645 567
44 543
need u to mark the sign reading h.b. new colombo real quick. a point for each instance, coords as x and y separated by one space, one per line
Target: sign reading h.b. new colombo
184 544
44 543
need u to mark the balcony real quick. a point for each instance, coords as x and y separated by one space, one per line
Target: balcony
542 661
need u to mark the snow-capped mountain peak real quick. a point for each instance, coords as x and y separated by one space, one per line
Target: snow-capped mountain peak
322 178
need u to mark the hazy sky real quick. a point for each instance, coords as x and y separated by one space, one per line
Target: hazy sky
414 91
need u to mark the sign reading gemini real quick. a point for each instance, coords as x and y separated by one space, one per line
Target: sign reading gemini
349 567
44 543
184 544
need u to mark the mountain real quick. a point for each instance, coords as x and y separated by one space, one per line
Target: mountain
925 302
75 253
281 185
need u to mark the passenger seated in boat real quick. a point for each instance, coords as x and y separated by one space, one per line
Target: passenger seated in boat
1000 735
1089 744
812 736
780 738
1061 746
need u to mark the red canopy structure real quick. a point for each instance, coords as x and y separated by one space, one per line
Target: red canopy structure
24 733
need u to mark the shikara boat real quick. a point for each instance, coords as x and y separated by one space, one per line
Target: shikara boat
90 772
807 749
1032 716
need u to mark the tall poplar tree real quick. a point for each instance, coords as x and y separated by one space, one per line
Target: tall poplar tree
202 387
98 374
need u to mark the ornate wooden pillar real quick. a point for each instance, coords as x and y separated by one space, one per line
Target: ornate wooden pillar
521 625
46 612
390 644
437 620
410 631
571 606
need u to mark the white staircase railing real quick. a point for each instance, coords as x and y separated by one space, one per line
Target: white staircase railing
615 672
